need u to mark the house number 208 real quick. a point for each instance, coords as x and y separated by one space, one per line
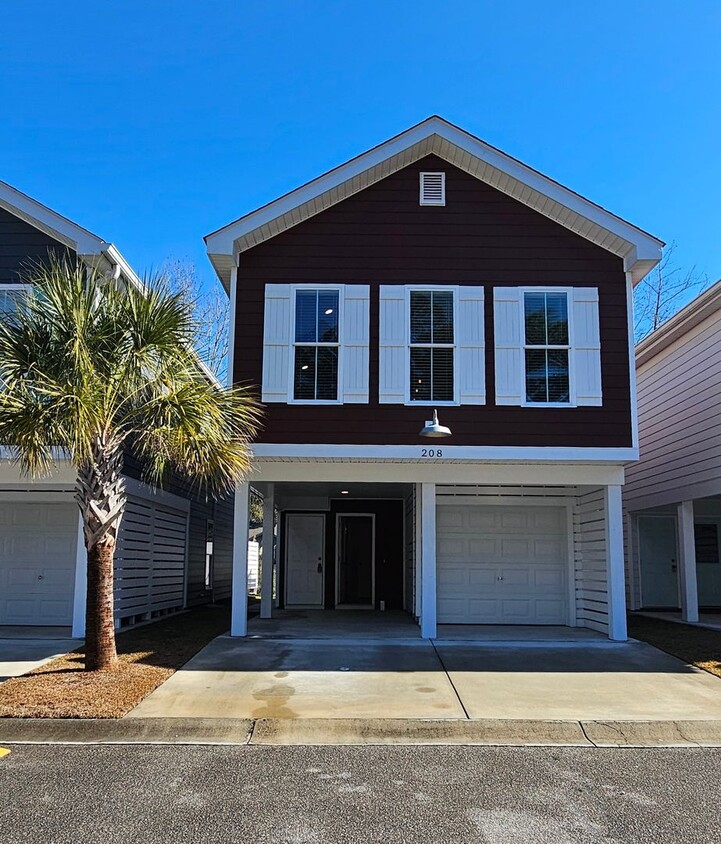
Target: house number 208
431 452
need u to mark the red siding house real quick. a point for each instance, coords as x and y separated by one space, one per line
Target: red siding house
436 273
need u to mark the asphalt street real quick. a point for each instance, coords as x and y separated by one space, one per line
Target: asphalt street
58 794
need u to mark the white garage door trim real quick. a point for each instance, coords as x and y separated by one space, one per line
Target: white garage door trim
514 501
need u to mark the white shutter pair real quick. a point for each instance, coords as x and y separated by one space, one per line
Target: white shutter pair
354 337
469 364
585 343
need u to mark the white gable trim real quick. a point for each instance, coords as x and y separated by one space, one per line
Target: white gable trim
640 250
50 222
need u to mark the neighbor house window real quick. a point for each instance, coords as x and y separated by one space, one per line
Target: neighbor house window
546 347
315 364
431 348
10 296
706 540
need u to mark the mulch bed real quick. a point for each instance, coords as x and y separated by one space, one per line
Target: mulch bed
694 645
147 656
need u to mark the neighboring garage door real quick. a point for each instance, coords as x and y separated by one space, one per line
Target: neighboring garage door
37 563
502 564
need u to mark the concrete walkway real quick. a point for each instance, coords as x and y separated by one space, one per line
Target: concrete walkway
25 653
353 678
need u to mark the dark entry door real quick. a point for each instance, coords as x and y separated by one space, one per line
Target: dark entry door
355 573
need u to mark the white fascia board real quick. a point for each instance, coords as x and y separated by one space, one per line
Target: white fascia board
642 253
53 224
451 453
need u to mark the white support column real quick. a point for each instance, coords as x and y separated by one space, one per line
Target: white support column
615 573
428 561
266 586
239 589
418 576
687 562
80 595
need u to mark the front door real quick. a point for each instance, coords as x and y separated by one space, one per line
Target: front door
659 563
355 560
305 540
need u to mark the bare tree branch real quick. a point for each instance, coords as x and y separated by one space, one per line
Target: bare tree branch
663 293
211 313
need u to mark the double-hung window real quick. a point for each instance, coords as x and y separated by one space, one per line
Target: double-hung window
316 346
546 347
431 347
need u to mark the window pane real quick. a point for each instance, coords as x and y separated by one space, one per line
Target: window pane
442 373
304 387
420 317
305 316
442 317
420 388
557 319
327 373
706 538
327 316
9 299
535 313
536 382
558 375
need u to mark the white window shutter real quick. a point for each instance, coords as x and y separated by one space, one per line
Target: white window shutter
586 369
507 323
277 343
471 362
392 363
355 337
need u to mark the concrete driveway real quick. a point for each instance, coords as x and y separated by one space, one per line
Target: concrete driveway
23 650
418 679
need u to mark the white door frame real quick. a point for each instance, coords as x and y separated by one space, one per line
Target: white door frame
321 605
372 605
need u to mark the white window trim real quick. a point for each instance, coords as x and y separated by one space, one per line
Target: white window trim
13 285
430 288
440 173
571 375
291 378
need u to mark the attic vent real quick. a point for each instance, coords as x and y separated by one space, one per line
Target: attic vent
433 188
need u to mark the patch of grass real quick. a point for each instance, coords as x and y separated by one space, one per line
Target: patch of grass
694 645
147 656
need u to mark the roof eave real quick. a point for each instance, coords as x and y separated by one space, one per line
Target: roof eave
640 250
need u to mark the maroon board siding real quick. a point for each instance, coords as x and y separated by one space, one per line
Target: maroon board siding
481 236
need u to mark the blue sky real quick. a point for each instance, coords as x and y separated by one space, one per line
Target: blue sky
153 123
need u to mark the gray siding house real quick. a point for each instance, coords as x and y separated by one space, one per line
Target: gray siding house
163 562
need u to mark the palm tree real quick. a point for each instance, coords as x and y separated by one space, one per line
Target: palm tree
93 369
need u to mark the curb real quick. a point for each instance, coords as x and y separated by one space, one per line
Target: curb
358 732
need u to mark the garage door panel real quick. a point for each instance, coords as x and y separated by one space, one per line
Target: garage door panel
452 547
448 518
513 570
480 519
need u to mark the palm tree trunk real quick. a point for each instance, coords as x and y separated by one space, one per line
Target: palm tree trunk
100 652
101 496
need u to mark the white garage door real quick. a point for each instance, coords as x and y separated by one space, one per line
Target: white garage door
502 564
37 563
